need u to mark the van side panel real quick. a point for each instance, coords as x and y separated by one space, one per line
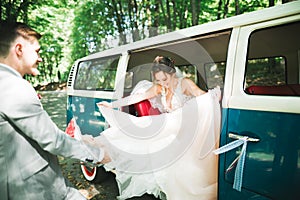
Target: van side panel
87 114
258 104
272 165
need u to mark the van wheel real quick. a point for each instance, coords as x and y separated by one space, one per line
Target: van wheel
95 174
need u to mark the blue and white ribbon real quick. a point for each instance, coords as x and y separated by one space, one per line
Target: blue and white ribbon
238 176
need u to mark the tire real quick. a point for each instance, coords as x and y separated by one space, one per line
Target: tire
94 175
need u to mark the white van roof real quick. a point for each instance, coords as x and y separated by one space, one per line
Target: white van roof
266 14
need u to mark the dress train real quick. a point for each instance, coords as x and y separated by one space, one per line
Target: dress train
169 153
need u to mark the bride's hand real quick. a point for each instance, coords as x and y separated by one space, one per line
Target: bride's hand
105 104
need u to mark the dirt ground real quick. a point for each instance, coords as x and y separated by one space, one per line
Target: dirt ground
106 190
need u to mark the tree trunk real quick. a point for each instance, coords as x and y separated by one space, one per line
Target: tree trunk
168 18
153 28
237 7
136 33
23 7
1 11
219 10
174 14
226 9
133 12
286 1
123 39
195 4
119 21
166 14
183 16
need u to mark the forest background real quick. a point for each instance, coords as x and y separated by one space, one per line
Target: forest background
72 29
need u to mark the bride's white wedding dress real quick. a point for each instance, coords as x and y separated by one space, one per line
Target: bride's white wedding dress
169 153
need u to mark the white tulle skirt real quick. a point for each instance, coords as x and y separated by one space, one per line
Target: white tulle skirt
169 153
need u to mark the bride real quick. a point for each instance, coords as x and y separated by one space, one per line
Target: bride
167 155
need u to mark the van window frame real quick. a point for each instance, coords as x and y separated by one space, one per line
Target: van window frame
275 89
115 59
235 73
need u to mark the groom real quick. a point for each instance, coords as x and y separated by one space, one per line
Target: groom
29 140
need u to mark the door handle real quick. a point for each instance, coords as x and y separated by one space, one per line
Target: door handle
240 160
238 137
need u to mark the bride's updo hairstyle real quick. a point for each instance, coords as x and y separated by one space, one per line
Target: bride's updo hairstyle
163 64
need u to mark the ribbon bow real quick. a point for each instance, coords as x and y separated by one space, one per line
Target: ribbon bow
238 176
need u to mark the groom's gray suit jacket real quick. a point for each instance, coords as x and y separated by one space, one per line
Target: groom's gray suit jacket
29 143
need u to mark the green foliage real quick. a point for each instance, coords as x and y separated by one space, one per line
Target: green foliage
49 17
266 71
50 22
73 29
92 23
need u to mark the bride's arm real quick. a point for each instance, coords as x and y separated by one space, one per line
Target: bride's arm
132 99
189 88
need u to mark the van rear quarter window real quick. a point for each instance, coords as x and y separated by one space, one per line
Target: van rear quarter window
272 66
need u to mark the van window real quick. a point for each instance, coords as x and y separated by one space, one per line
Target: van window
97 74
189 71
201 58
214 74
272 66
266 71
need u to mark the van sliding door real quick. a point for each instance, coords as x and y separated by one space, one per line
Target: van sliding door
264 106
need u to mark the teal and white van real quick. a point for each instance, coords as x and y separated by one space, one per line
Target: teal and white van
254 57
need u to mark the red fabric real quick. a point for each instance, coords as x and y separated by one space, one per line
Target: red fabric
293 90
39 96
70 130
144 108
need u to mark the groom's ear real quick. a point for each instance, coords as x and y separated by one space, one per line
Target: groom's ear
18 49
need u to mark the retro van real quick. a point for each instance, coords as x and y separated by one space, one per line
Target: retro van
254 58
